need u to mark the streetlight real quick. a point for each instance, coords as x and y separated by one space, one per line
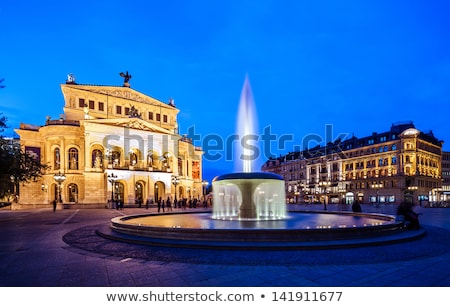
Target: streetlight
13 181
112 178
204 184
377 186
325 185
175 182
59 178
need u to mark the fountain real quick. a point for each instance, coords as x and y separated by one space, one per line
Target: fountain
249 212
248 195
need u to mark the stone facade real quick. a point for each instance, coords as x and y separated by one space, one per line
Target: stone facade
402 164
111 142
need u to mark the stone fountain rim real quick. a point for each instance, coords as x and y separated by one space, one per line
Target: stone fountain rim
258 238
249 175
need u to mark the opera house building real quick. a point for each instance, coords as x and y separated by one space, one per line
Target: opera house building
112 143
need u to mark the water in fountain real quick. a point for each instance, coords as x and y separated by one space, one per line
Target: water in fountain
247 194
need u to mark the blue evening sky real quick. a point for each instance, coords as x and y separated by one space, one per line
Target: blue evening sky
356 65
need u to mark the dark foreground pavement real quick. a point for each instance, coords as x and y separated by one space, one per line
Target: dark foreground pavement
46 248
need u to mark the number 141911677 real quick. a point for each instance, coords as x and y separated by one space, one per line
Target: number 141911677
306 296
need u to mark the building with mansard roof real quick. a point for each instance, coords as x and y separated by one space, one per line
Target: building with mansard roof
402 164
112 143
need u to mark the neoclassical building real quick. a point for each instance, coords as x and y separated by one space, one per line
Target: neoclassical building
111 142
402 164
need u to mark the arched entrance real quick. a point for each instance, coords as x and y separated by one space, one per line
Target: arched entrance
73 193
119 191
160 190
349 198
139 191
181 193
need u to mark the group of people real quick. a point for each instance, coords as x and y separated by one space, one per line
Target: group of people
404 210
182 203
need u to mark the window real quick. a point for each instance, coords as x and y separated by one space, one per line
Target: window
57 159
150 115
370 142
394 147
91 104
101 106
383 139
127 111
158 117
81 103
165 118
97 158
195 170
73 159
180 167
118 109
394 160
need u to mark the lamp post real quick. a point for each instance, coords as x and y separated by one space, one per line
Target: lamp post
175 182
204 185
112 179
59 178
325 185
13 181
377 186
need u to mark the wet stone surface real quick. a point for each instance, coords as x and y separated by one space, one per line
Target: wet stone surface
434 243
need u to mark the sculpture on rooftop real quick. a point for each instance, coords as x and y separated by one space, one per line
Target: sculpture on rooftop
126 77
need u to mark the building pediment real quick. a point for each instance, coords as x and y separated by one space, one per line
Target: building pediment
116 92
131 123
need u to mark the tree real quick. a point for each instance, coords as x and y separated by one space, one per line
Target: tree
16 165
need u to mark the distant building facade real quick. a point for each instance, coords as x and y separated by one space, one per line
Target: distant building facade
111 144
446 177
402 164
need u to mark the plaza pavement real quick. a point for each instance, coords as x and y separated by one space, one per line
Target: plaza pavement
59 249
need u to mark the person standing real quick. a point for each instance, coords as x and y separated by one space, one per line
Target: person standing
159 204
169 204
54 205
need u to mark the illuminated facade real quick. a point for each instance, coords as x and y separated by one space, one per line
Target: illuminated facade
446 178
403 164
112 142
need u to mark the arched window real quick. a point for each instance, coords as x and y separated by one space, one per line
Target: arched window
180 167
133 158
73 158
97 158
57 159
115 158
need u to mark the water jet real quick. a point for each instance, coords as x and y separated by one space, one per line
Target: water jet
249 212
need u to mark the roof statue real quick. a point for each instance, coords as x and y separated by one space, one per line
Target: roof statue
126 77
70 79
134 113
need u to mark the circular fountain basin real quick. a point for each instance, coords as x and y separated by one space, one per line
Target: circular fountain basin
298 230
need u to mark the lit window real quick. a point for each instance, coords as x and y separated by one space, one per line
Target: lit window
73 158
